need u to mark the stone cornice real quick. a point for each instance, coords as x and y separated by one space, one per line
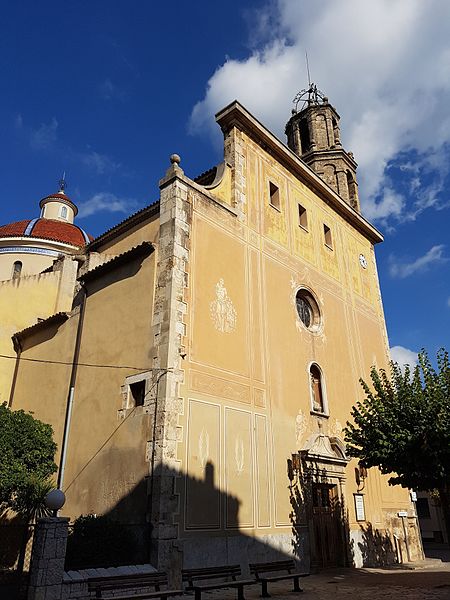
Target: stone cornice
235 115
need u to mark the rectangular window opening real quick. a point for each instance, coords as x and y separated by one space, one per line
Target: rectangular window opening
327 235
137 392
274 195
302 217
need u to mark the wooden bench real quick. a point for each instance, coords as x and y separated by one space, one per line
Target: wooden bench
227 573
286 570
130 583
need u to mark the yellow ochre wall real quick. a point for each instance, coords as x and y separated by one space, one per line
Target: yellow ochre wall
107 459
22 302
132 236
246 384
32 264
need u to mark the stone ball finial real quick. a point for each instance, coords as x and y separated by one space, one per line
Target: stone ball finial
175 159
55 499
325 100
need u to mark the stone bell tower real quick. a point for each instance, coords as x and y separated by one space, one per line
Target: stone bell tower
313 134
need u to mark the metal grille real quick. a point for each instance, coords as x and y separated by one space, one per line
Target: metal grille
304 310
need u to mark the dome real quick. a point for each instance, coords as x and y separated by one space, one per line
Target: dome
48 229
61 198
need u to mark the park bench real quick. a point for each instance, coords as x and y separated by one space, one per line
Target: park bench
265 572
130 584
228 574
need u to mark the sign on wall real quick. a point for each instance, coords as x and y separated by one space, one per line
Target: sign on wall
359 507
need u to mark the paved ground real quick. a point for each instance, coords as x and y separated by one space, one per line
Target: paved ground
361 584
429 580
420 581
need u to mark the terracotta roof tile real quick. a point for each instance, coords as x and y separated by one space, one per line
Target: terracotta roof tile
49 229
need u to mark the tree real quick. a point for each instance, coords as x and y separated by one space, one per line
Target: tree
27 451
403 426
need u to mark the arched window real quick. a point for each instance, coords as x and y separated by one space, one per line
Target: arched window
17 269
351 185
304 136
317 389
63 212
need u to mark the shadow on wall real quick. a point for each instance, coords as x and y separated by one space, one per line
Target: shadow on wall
198 525
123 537
317 506
316 500
377 548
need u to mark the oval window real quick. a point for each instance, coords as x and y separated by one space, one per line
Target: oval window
307 310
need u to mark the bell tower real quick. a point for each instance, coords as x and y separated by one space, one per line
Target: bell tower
313 134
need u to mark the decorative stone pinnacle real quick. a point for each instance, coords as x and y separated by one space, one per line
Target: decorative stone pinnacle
173 170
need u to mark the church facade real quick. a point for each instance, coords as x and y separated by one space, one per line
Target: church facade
199 383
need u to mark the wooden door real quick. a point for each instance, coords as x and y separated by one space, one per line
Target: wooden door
327 544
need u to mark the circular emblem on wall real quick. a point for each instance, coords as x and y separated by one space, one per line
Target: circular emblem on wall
363 261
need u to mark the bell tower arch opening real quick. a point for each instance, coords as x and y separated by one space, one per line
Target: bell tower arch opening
313 133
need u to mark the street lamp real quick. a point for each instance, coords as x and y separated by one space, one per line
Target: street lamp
55 500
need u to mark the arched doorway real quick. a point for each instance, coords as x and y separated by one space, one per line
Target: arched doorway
324 463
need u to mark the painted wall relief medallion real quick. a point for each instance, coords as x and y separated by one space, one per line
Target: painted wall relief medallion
222 311
239 455
335 428
203 447
300 427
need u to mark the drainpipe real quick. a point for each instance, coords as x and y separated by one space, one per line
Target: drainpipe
73 376
18 349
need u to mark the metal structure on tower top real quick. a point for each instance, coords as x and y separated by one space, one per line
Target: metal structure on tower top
309 97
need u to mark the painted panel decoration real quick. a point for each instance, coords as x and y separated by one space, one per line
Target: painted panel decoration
202 509
222 311
239 471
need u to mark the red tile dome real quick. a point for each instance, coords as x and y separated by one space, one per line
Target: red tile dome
49 229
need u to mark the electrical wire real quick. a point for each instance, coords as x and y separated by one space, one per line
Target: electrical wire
61 362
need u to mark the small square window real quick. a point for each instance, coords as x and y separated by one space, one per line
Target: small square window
137 393
327 235
274 195
302 217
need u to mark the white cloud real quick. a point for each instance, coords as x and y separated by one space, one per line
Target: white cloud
105 202
403 356
391 203
110 91
385 65
434 256
45 136
99 162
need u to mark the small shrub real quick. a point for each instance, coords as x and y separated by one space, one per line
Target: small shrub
99 542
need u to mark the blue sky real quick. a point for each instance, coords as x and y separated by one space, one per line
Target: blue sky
107 90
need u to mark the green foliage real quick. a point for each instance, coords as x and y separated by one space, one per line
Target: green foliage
403 424
27 450
99 542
